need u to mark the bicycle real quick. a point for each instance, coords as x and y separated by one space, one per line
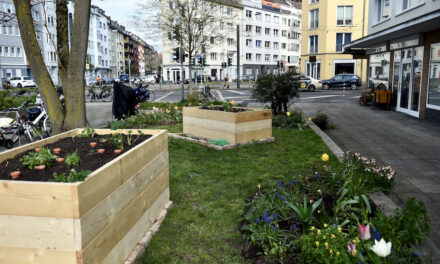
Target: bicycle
40 118
19 126
106 94
205 94
145 94
92 93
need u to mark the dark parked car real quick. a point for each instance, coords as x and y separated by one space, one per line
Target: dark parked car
205 78
347 79
245 78
124 78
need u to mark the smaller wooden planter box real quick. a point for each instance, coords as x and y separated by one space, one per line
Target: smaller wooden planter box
234 127
99 220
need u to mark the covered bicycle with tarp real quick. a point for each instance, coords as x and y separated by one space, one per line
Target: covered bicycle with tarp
126 99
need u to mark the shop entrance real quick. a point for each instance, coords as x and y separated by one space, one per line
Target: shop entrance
408 72
344 68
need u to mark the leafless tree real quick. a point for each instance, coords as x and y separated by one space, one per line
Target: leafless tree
71 62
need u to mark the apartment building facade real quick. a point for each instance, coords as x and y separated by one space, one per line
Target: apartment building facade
324 35
403 52
12 56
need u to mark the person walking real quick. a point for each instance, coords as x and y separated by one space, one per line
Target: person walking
226 82
98 80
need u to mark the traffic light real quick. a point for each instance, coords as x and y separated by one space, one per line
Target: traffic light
204 61
176 54
193 61
224 65
229 62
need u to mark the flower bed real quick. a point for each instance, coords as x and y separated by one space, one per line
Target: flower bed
325 216
98 220
239 127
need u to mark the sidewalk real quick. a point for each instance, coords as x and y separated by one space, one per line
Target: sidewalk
410 145
176 87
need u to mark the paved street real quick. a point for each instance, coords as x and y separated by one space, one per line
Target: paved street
410 145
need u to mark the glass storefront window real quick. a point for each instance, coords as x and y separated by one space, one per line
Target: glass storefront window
380 67
434 77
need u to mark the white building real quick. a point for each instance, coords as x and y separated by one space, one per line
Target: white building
290 33
117 60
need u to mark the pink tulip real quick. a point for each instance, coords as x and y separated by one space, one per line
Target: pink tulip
351 249
364 232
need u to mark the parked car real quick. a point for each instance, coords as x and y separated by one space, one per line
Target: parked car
124 78
149 79
245 78
20 82
309 84
206 78
346 79
108 80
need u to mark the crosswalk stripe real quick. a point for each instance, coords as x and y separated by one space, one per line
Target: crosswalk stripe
163 97
237 92
220 95
317 97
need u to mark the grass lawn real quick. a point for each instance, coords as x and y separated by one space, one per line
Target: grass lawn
209 189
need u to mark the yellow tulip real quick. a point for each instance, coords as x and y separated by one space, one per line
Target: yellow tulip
317 244
324 237
324 157
318 232
339 229
332 236
312 228
331 252
232 102
326 245
325 225
354 252
337 253
310 119
288 113
176 108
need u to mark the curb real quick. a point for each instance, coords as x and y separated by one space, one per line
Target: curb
384 203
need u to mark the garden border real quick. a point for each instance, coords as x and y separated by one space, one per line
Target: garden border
383 202
204 141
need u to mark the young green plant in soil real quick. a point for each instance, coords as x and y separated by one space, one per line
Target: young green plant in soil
88 132
33 159
74 176
73 160
209 191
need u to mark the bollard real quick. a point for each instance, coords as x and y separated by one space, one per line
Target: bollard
343 90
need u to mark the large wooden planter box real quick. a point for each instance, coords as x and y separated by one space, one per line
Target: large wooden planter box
234 127
99 220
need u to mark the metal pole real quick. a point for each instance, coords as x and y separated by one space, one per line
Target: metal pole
129 72
238 56
181 66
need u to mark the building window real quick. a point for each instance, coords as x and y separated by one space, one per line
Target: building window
248 56
341 40
275 57
267 31
248 28
38 34
258 30
12 51
283 45
267 44
248 14
213 56
276 45
230 41
314 1
248 71
268 18
407 4
258 43
258 16
229 11
267 57
313 44
283 33
383 9
258 57
345 16
314 18
434 77
18 52
276 32
284 21
248 42
276 19
6 51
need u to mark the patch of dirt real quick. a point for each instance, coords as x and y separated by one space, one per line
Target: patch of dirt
220 108
90 158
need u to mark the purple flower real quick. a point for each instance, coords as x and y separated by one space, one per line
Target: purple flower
377 236
282 198
290 183
364 231
259 220
416 254
280 183
268 220
294 227
272 226
278 194
275 216
265 216
296 181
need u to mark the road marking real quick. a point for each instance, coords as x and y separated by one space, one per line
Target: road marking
237 97
163 97
355 97
317 97
237 92
220 95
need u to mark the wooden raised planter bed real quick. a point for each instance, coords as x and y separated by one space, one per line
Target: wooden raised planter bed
236 128
99 220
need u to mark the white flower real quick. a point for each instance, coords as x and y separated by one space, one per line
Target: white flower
381 248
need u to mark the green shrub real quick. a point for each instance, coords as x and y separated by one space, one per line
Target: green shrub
294 120
321 120
277 89
7 101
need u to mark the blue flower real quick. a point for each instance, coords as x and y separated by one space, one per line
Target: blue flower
278 229
268 220
280 183
259 220
272 226
265 216
374 230
294 227
416 254
359 262
296 181
377 236
282 198
278 194
275 216
290 183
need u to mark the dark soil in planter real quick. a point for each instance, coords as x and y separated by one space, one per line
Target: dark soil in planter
220 108
90 158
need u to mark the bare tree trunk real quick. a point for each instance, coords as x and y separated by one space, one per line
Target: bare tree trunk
36 62
62 39
74 92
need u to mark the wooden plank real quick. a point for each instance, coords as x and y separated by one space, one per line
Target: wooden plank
209 124
38 232
107 239
257 114
209 114
97 218
37 199
210 133
253 125
253 135
11 255
125 246
108 178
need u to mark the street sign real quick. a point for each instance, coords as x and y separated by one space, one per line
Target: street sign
87 66
198 57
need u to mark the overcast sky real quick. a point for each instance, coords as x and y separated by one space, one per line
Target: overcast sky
122 11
